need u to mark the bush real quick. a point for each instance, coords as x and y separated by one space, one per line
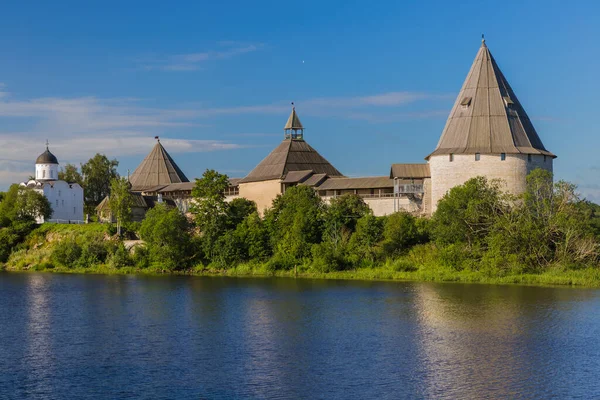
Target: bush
326 258
66 253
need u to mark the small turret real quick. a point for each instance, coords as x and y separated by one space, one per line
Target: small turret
293 128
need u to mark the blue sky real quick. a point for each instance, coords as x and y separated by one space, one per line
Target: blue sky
373 82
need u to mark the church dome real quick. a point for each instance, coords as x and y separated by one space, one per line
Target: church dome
46 158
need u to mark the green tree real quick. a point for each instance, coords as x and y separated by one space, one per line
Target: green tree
237 211
97 175
210 208
467 213
166 233
23 204
365 242
549 224
400 233
341 217
120 201
70 173
295 223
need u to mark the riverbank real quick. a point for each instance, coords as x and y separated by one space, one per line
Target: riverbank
589 277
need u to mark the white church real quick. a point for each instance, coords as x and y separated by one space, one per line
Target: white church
65 198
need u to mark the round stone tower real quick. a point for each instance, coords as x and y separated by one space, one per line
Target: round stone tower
488 133
46 166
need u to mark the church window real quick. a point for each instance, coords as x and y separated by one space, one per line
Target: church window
477 156
43 173
59 193
56 202
451 157
51 174
74 210
63 203
502 156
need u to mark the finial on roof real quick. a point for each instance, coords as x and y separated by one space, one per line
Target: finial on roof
47 144
157 138
482 39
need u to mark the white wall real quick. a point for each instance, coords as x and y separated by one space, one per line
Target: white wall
46 172
66 200
446 174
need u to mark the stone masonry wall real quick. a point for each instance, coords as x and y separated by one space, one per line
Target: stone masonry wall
446 174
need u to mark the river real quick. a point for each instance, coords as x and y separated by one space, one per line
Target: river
116 337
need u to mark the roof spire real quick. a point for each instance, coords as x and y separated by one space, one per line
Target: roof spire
47 144
157 138
293 128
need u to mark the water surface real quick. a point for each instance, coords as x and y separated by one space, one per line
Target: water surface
78 336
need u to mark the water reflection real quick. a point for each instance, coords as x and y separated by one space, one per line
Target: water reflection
185 337
479 341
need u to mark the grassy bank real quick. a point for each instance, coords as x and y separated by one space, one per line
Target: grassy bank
50 248
589 277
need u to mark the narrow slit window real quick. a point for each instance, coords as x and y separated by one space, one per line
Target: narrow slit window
502 156
544 158
528 157
477 156
451 157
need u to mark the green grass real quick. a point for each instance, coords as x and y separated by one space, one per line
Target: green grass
589 277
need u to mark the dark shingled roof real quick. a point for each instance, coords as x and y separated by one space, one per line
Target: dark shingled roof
410 171
46 158
487 117
291 155
158 168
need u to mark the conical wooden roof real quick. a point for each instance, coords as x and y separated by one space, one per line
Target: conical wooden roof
487 117
291 155
158 168
293 121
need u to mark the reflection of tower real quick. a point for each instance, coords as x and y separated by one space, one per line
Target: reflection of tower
467 340
38 338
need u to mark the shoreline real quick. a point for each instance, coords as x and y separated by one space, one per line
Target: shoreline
584 278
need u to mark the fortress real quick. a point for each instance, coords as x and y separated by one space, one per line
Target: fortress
488 133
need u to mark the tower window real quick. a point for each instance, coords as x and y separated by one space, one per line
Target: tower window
451 157
43 173
502 156
477 156
508 101
466 102
544 158
528 157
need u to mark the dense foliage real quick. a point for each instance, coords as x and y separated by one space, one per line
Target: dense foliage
476 228
97 174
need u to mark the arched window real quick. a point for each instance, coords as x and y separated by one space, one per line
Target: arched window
43 173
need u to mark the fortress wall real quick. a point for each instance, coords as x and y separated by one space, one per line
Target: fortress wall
446 174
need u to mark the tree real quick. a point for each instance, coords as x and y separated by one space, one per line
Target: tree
401 232
295 223
23 204
69 173
467 213
210 208
549 224
31 205
120 201
341 216
97 175
364 243
166 233
237 211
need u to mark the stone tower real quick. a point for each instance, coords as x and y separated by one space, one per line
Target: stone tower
488 133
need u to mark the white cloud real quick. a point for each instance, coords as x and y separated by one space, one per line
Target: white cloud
194 61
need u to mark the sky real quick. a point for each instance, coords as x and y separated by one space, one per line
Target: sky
373 81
